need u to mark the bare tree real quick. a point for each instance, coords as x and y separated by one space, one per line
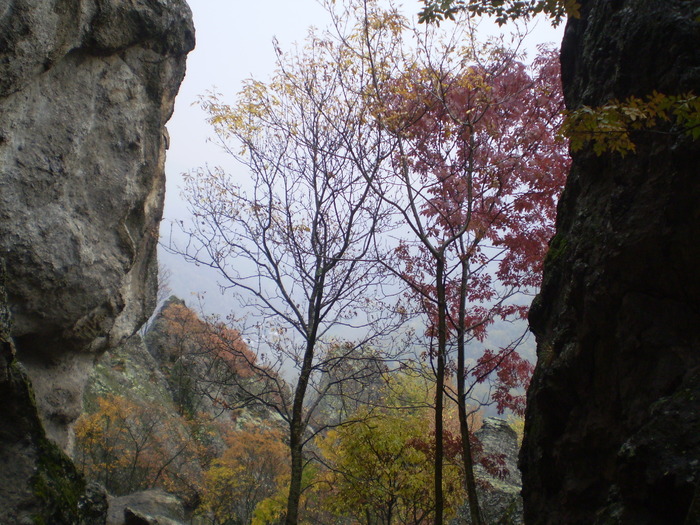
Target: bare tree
294 239
353 132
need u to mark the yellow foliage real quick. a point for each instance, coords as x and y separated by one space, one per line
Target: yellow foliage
250 471
608 127
382 465
517 423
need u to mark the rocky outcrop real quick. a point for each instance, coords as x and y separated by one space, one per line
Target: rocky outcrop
613 420
128 370
150 507
86 87
499 497
38 483
499 486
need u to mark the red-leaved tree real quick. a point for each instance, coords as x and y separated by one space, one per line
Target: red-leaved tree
476 176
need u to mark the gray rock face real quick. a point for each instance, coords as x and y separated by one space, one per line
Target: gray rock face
497 437
150 507
499 496
38 483
86 90
500 499
613 421
86 87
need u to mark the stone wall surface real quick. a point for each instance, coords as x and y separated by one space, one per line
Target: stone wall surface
38 482
86 87
613 420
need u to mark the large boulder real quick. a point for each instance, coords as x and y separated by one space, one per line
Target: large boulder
612 431
86 87
149 507
38 483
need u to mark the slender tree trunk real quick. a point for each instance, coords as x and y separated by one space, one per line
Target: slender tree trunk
295 447
440 386
470 479
296 437
467 456
298 424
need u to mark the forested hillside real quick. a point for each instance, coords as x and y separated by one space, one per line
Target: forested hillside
170 411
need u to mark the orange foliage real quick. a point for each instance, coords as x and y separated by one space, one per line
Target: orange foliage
188 334
130 446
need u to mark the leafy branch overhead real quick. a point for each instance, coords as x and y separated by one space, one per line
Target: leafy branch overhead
609 126
502 10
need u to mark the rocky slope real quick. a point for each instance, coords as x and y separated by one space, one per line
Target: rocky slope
613 421
86 87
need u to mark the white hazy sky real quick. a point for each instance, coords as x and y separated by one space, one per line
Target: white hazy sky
234 42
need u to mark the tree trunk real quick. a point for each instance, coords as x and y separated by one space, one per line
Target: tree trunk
467 457
295 447
296 437
440 386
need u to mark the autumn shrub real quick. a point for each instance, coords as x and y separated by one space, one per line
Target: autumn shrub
129 446
381 470
251 469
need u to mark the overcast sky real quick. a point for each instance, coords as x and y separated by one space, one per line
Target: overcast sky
234 42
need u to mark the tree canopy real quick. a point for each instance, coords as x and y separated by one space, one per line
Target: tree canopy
502 10
380 154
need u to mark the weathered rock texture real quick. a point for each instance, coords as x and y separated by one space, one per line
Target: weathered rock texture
38 483
613 420
86 87
150 507
499 498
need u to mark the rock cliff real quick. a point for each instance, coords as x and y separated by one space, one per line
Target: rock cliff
613 419
86 87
